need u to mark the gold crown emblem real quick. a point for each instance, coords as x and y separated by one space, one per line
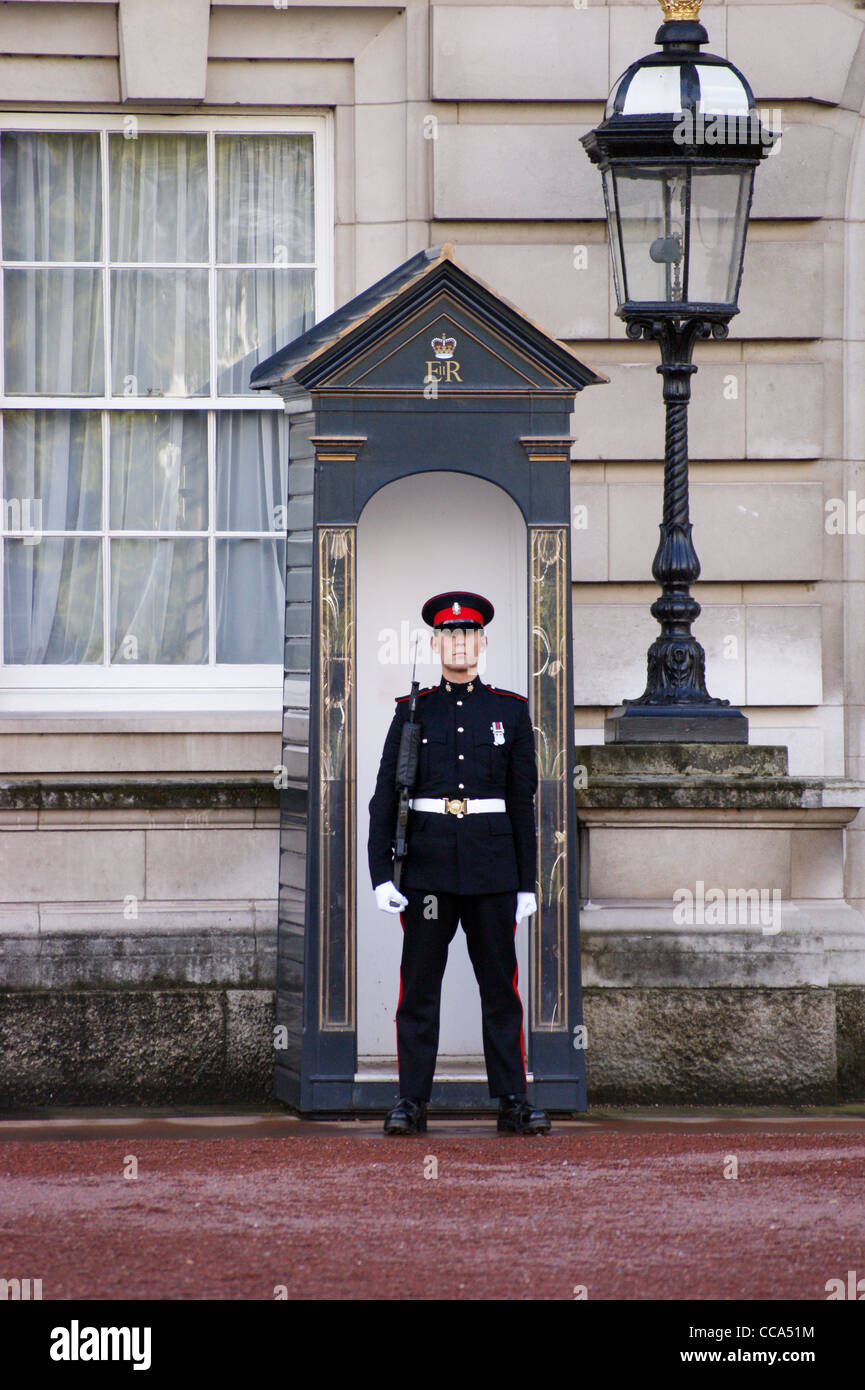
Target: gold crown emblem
680 9
444 347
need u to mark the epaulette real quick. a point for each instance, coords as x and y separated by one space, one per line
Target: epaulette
498 691
401 699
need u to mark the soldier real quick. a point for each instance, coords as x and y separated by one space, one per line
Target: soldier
472 855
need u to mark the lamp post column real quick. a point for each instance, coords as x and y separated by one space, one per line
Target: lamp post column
676 661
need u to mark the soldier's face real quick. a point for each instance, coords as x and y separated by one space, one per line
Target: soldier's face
459 648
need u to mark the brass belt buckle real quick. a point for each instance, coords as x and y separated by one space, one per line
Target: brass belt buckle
454 806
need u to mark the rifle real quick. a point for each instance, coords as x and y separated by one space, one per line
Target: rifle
406 773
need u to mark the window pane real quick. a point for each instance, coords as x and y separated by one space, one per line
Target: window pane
159 602
159 471
613 226
719 207
654 89
53 602
53 332
653 205
721 91
259 312
250 601
52 467
159 328
52 197
264 199
158 198
251 471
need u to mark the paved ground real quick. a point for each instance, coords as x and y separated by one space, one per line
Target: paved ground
639 1205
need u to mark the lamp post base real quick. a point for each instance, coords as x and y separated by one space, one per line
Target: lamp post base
675 724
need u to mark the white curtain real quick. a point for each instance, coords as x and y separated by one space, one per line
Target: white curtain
52 211
159 587
161 338
159 318
251 495
264 217
158 470
264 202
53 597
158 198
159 601
53 338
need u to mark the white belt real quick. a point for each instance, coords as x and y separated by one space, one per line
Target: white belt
456 806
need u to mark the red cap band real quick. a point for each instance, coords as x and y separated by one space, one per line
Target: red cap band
448 613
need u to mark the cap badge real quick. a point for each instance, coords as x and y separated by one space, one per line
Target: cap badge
456 610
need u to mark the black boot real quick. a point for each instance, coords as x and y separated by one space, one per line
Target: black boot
517 1116
407 1117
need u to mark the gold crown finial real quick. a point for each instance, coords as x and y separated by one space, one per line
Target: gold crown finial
680 9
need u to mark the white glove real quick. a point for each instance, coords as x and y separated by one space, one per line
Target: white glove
527 906
389 899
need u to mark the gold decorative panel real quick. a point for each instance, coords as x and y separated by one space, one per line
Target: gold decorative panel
336 780
553 725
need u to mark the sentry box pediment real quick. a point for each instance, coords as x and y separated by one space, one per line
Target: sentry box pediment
428 372
429 322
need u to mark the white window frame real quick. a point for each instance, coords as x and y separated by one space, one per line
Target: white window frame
101 687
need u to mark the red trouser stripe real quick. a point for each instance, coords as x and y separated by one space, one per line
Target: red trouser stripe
398 1002
522 1012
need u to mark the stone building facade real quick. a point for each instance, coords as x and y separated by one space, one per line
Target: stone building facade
139 736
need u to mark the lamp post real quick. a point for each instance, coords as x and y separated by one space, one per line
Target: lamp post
677 150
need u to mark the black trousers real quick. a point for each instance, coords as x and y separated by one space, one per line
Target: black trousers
429 924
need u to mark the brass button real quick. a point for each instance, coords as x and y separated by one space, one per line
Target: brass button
461 787
460 730
460 755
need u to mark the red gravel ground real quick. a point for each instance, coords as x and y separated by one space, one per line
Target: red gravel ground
631 1209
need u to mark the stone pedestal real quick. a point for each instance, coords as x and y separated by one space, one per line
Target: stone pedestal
660 724
721 962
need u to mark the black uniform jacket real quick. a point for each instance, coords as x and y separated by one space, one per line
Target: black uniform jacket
492 852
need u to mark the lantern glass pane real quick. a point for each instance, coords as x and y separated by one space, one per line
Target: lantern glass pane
719 213
653 91
653 209
615 244
722 91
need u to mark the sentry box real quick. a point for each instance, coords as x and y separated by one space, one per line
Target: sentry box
429 428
